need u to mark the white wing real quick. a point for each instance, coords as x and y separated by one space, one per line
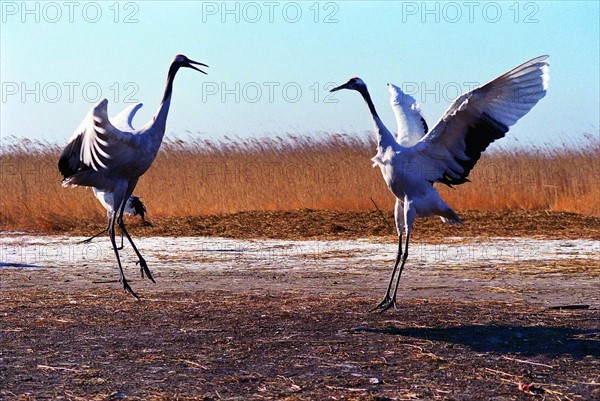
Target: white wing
124 119
474 120
411 124
95 145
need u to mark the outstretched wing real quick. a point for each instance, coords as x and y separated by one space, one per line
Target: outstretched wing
124 119
95 145
411 124
478 118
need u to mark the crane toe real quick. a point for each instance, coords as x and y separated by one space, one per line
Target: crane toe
386 303
128 288
145 270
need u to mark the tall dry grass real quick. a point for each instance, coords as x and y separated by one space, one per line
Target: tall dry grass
329 171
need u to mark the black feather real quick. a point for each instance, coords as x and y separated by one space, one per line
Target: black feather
69 163
425 127
478 137
138 206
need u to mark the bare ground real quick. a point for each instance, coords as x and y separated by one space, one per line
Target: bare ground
510 331
306 223
268 345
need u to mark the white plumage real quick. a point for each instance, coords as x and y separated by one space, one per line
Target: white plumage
411 123
414 160
133 206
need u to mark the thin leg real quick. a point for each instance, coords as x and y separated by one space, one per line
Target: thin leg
143 265
407 219
404 257
85 241
387 298
111 234
121 247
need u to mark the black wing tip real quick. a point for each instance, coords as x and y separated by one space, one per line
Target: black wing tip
69 163
477 139
64 168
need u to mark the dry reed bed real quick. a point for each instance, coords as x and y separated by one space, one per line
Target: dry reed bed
327 172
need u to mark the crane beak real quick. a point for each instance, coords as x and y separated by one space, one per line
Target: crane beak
191 64
345 86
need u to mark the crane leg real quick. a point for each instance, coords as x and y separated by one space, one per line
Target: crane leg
407 221
143 265
111 234
404 257
121 247
387 298
85 241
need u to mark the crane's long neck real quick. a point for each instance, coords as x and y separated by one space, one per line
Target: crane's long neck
170 78
159 122
382 134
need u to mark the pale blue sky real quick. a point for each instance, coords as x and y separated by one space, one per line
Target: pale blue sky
270 62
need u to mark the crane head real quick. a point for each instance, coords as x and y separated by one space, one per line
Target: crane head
354 83
183 61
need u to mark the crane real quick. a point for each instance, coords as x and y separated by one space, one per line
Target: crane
416 159
112 159
134 206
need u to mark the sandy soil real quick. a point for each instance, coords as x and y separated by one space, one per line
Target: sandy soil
280 319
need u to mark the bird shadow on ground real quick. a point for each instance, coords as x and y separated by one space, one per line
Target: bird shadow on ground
527 340
17 265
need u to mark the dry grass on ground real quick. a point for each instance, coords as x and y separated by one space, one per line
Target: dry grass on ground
213 345
330 172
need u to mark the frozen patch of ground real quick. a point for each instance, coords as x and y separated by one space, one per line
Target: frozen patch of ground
551 272
217 253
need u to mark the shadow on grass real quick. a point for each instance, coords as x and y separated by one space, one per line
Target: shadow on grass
527 340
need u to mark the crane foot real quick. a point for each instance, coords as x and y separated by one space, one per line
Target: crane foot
385 304
128 288
145 270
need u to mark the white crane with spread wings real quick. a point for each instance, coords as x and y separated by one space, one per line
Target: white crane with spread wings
416 159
